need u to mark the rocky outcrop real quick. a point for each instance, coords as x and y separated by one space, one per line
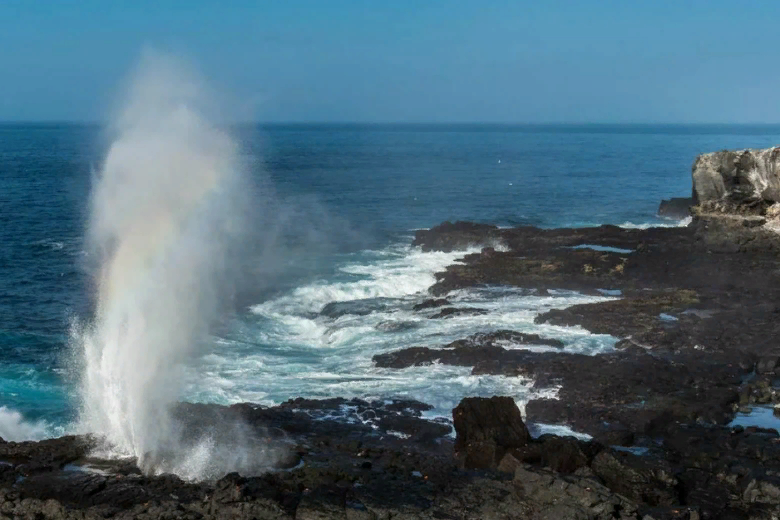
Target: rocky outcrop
352 470
451 312
362 307
486 429
450 237
625 317
732 475
471 351
431 303
678 208
737 176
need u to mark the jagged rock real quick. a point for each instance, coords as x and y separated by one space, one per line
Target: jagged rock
324 503
623 317
773 211
476 350
767 363
449 312
431 303
571 496
676 208
486 429
637 479
565 455
396 326
355 307
737 175
503 337
450 237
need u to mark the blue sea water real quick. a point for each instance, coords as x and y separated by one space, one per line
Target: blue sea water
347 200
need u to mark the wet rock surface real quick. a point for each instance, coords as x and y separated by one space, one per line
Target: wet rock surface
470 351
695 327
449 312
696 318
431 303
493 469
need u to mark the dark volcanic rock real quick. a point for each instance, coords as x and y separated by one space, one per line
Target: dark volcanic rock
695 318
354 307
450 312
630 391
486 429
358 471
699 327
711 255
449 237
431 303
48 455
563 497
396 326
644 481
678 208
562 454
622 317
503 337
474 350
582 269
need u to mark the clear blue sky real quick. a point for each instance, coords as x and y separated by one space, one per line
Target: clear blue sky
408 60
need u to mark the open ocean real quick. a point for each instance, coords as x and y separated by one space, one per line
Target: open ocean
346 202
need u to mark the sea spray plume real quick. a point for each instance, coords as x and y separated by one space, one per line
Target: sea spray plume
167 217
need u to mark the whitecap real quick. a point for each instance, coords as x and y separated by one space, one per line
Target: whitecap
561 430
646 225
14 427
285 348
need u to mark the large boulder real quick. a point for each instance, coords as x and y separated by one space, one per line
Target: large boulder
737 175
486 428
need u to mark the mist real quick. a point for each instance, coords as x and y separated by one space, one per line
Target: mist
169 219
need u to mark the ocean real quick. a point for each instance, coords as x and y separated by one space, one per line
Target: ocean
341 204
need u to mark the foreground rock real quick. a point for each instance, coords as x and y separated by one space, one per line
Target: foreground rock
493 470
695 472
695 322
343 457
486 430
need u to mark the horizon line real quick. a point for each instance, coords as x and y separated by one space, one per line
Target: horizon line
410 123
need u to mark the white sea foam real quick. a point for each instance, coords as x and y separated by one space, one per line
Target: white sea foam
646 225
303 353
557 429
406 272
54 245
14 427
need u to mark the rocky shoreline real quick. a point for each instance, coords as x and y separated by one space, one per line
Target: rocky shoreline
696 316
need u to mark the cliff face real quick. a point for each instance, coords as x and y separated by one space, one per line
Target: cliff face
737 176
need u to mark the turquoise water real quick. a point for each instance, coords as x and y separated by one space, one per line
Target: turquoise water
345 200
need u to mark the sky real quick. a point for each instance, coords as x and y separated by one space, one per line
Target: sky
505 61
